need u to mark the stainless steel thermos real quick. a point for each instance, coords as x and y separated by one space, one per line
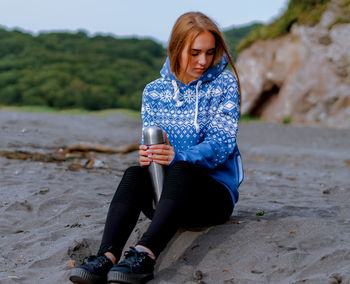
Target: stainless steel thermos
155 135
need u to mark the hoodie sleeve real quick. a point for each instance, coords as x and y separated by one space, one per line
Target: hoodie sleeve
220 136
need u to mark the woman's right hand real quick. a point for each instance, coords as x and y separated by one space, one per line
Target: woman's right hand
143 156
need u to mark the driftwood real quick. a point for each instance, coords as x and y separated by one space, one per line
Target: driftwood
91 147
25 155
81 150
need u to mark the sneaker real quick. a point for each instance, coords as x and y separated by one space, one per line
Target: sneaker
136 268
93 271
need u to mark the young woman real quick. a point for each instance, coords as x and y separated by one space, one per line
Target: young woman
197 104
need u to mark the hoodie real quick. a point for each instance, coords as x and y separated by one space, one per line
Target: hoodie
200 119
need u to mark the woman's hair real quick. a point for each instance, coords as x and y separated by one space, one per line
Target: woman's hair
187 28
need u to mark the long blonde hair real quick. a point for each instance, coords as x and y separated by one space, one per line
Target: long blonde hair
187 27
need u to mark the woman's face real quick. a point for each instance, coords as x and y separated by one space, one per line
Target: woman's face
199 57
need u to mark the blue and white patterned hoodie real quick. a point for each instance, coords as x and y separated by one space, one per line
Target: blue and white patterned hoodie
200 119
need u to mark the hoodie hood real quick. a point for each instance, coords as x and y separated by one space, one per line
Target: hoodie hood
208 75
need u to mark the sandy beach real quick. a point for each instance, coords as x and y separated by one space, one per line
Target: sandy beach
291 224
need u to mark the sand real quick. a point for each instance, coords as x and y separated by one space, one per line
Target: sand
296 177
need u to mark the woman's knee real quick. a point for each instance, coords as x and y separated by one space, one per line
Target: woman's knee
133 185
180 168
134 171
181 165
178 178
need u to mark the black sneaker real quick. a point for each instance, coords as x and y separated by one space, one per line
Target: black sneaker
93 271
136 268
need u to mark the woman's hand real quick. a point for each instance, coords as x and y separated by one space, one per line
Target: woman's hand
161 154
143 156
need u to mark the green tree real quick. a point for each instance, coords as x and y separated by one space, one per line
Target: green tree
66 70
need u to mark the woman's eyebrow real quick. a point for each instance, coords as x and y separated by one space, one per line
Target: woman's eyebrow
194 49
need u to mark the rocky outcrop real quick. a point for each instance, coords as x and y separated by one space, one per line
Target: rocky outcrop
302 77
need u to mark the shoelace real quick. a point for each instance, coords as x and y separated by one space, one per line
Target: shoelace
89 258
134 258
96 261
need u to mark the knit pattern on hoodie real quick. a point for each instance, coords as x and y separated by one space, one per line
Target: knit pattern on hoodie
200 119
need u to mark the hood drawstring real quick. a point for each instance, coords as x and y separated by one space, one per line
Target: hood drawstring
195 123
176 94
180 103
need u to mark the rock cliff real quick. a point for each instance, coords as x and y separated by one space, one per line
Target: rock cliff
302 77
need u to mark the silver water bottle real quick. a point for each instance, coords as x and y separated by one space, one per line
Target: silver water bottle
155 135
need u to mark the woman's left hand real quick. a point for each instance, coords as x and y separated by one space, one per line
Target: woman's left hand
161 154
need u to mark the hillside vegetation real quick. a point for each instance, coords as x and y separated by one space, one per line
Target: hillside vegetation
299 11
65 70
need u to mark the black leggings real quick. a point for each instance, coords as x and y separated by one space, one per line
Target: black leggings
190 198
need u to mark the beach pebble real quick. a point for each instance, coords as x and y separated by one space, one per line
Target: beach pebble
197 275
72 263
42 191
256 271
335 279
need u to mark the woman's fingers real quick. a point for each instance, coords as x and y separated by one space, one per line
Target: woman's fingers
161 159
160 146
164 163
160 153
145 161
162 156
142 153
166 139
144 158
156 157
142 150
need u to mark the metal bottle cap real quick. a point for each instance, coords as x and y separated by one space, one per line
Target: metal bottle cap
153 135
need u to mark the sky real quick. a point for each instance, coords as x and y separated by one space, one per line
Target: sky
124 18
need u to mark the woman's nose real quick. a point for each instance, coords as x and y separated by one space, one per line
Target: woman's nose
202 59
